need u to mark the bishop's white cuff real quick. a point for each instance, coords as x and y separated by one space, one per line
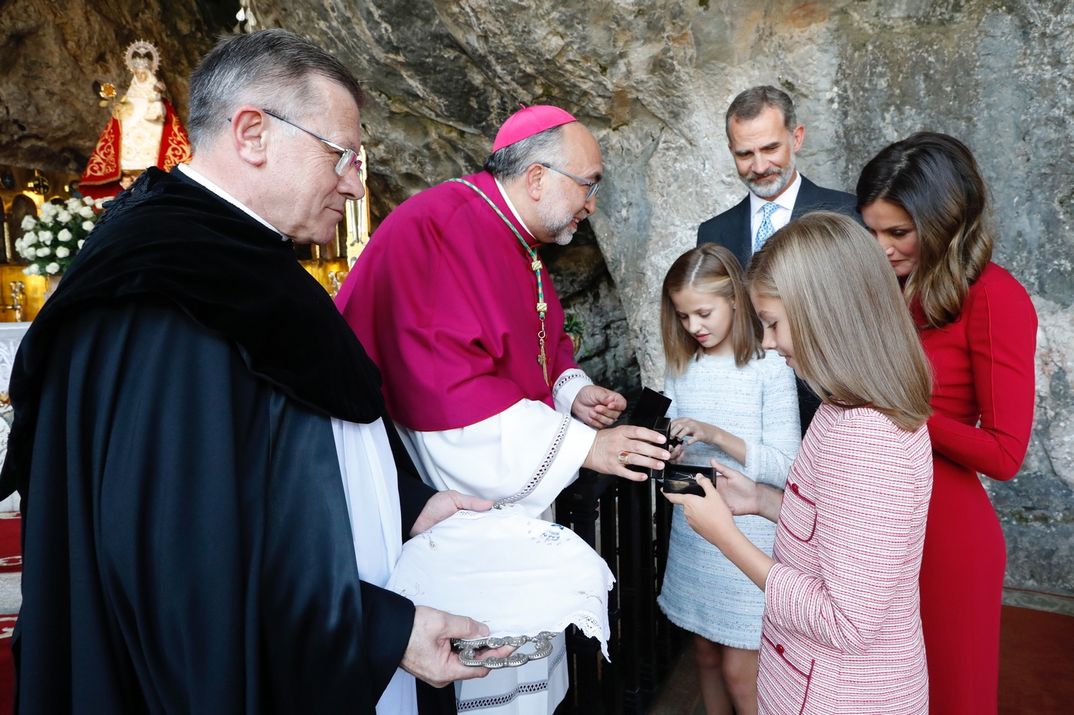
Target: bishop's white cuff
566 388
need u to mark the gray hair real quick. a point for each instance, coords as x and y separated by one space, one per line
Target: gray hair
513 159
269 68
749 104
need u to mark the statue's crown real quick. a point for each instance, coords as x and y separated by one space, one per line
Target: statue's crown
142 55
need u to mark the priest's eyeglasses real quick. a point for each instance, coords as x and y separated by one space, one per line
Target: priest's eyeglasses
347 157
590 185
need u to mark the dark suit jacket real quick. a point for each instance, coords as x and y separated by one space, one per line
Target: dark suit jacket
731 229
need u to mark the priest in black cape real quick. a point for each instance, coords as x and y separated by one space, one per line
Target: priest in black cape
212 499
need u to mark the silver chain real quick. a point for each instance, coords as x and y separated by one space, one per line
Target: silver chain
468 650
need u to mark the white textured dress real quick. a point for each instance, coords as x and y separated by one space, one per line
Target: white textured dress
703 592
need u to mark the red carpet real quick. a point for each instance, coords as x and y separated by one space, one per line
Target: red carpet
7 667
10 534
10 561
1036 673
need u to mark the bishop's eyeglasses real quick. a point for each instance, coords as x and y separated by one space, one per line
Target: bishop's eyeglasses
591 186
347 157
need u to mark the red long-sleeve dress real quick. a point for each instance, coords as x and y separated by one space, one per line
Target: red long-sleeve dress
982 399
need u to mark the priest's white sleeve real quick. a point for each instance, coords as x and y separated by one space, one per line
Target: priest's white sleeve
525 455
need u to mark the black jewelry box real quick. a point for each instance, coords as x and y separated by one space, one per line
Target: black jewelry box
673 478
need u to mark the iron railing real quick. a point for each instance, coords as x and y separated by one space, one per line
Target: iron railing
628 524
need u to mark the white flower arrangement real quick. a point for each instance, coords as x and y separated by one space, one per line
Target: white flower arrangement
51 241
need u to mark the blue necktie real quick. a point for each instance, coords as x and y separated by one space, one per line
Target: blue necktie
766 229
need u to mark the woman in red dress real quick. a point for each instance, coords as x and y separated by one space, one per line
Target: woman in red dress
924 200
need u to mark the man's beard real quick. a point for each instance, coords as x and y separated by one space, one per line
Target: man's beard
771 189
556 221
564 236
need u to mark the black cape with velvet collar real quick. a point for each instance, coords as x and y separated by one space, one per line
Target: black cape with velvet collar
186 538
170 239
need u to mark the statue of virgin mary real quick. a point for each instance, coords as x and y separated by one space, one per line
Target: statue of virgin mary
143 131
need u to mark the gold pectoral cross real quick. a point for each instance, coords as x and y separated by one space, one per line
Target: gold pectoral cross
542 357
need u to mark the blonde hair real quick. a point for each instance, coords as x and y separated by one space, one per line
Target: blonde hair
935 179
711 269
854 340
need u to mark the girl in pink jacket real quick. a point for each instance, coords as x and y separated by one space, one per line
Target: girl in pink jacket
842 623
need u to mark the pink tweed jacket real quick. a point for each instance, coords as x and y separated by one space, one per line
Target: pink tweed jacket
842 622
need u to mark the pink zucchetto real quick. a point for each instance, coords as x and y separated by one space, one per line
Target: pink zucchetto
529 121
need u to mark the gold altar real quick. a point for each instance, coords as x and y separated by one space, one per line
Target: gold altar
42 230
23 192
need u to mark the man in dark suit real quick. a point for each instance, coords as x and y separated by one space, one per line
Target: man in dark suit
764 137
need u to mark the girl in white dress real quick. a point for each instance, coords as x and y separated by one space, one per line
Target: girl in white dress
733 402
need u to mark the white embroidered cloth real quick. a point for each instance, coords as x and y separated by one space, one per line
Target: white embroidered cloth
516 574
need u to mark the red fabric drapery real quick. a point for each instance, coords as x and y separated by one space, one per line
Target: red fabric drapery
103 171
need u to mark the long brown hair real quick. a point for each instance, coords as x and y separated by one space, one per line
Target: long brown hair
854 341
712 269
935 179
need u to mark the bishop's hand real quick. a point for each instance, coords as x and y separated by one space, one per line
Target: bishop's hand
626 451
598 406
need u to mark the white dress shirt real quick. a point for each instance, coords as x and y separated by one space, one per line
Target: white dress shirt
785 201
